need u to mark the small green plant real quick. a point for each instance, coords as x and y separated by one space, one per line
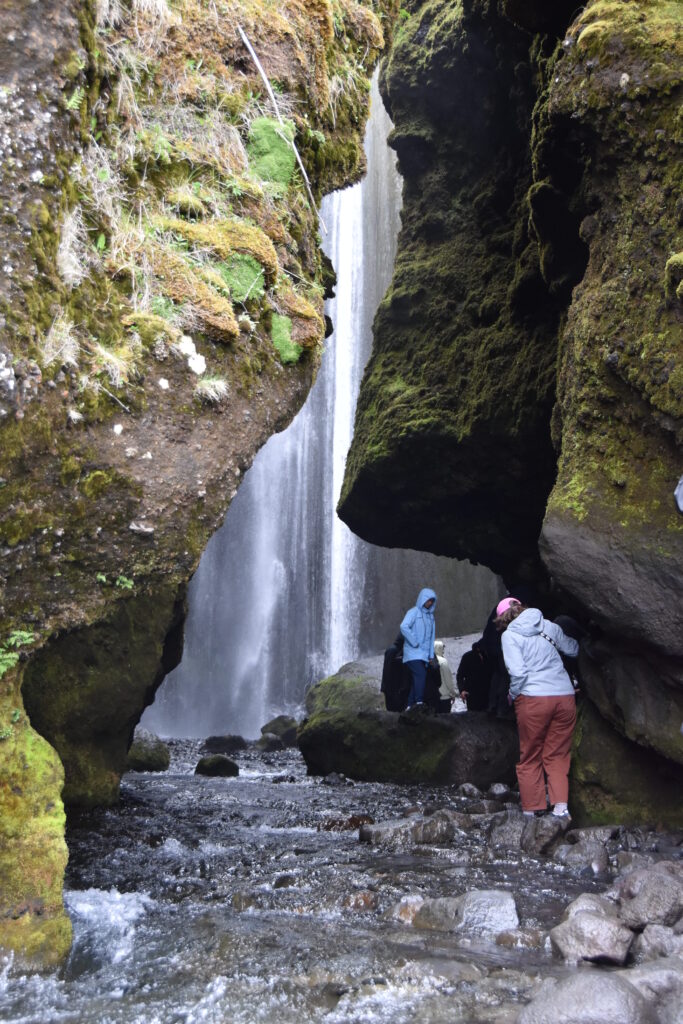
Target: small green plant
124 583
101 578
16 715
75 99
19 638
8 649
6 732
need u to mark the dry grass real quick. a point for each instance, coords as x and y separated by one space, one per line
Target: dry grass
74 257
61 343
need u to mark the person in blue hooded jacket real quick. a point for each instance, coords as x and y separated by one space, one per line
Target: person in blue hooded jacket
419 629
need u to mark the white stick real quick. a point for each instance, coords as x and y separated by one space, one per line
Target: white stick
264 76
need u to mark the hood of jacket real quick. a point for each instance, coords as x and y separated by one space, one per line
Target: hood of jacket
424 595
438 646
529 623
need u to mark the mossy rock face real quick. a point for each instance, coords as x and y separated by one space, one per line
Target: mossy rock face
618 422
452 424
124 250
33 852
86 690
348 731
612 779
525 381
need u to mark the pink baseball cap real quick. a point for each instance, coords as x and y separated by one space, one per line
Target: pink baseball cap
503 605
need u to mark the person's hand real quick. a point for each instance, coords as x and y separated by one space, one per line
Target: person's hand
464 695
511 699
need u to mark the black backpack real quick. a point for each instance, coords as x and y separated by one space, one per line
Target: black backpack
395 680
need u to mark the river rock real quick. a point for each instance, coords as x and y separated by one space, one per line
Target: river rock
589 998
661 983
506 830
384 833
590 936
405 910
499 791
283 726
481 912
216 765
148 753
595 834
224 744
348 730
541 834
652 896
656 940
591 902
269 743
587 856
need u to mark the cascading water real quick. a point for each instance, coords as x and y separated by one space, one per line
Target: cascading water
285 593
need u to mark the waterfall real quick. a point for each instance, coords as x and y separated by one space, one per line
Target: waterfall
285 593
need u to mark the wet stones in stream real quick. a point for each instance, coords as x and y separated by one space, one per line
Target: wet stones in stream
430 907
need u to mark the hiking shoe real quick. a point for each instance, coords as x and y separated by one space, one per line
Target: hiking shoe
562 815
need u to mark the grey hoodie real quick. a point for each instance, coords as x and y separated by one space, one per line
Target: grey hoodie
535 666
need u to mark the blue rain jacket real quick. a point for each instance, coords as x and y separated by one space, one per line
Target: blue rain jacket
419 629
535 666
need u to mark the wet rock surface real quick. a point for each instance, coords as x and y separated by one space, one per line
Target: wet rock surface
348 730
252 898
148 753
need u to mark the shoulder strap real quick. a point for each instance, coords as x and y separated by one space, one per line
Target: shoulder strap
550 640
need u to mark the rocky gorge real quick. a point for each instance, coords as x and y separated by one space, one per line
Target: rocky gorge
162 315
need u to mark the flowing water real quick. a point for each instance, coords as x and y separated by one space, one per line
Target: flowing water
232 901
285 593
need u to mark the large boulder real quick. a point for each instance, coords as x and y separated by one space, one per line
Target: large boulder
588 998
586 935
282 726
348 731
148 753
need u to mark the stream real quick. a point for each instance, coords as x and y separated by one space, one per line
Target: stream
251 899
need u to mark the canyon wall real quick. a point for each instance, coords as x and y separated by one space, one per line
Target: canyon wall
161 315
523 403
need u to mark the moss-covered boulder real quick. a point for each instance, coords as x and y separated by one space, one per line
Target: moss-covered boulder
33 852
148 753
348 731
613 779
217 766
282 726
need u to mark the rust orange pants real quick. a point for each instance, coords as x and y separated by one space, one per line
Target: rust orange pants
546 726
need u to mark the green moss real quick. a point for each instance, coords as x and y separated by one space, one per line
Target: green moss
281 334
97 483
33 853
673 277
271 156
244 277
615 781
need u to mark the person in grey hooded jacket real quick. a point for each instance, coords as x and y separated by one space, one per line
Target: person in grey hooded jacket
419 629
544 702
